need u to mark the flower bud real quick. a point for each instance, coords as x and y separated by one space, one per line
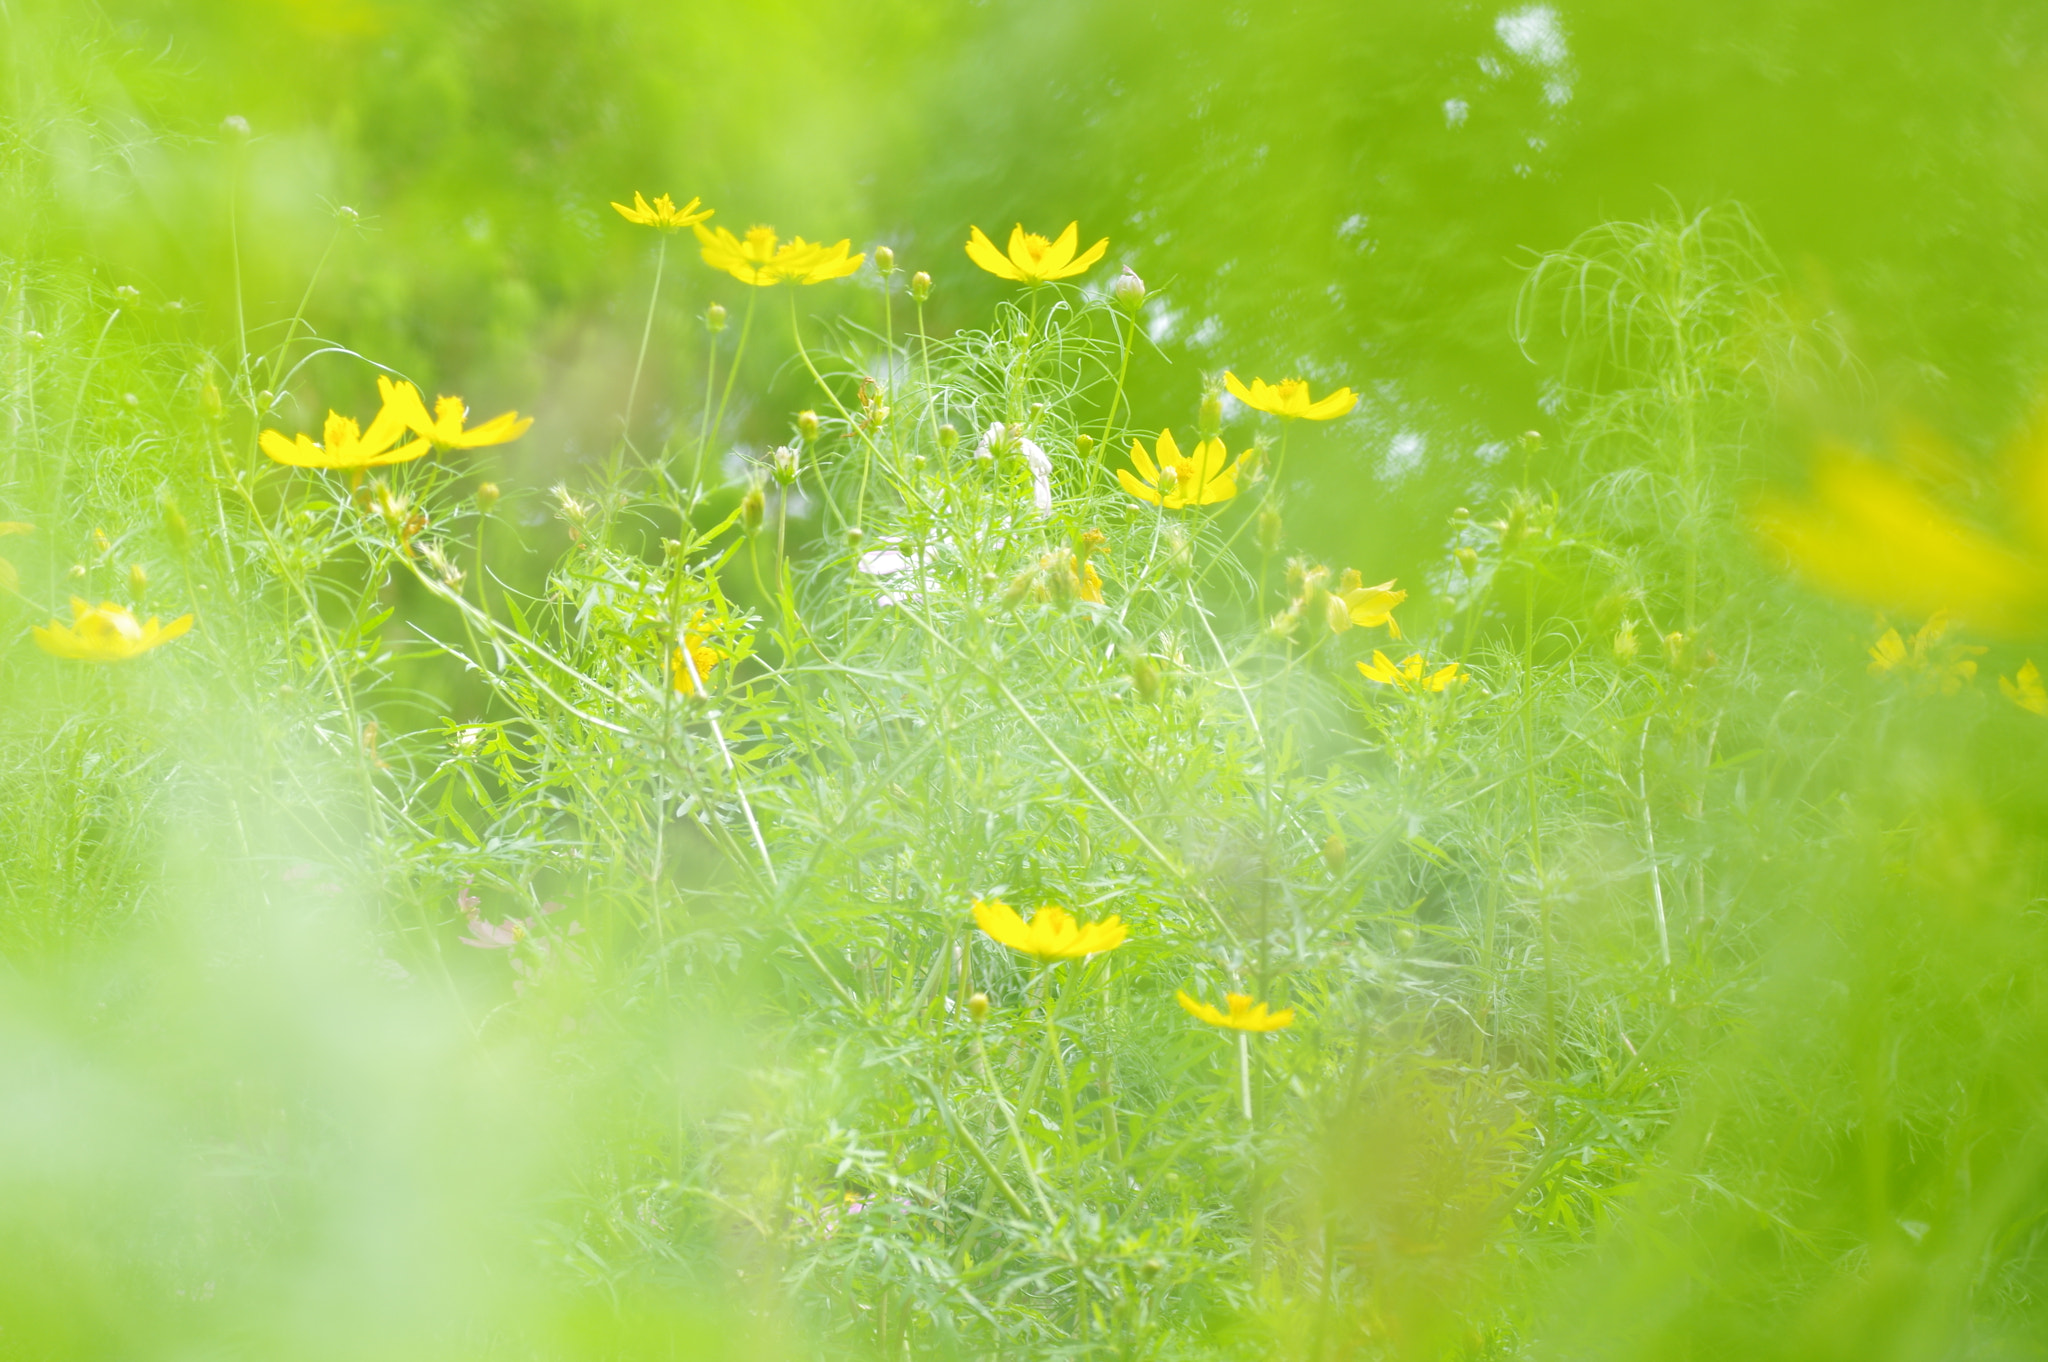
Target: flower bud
1145 679
1532 440
127 293
753 507
138 582
854 534
977 1007
487 495
1169 479
1269 530
807 425
1336 613
1084 445
209 399
948 437
1468 560
235 126
1625 643
76 572
1460 514
1678 652
885 260
920 286
1335 853
100 540
175 528
1209 418
714 318
786 464
1128 292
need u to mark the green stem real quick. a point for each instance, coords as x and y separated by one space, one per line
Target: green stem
1128 334
646 332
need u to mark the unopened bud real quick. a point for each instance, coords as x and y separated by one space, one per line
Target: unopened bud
807 425
854 534
1335 853
977 1007
1084 445
1128 292
1532 440
1145 679
1468 560
786 464
235 126
175 528
1460 514
1625 643
714 317
1678 653
100 540
885 260
1169 479
948 437
1269 530
127 293
753 507
487 495
347 215
920 286
76 572
1336 613
1210 417
138 581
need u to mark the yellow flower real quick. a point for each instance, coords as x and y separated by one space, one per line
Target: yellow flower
1244 1014
1052 934
444 427
9 578
1177 480
106 633
762 259
815 264
1869 534
347 445
1289 397
1370 606
1925 662
663 213
1033 259
1412 674
2026 691
688 672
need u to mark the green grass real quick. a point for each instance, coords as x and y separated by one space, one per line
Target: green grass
1669 988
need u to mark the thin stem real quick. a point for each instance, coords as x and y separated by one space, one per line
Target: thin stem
1128 334
646 331
739 351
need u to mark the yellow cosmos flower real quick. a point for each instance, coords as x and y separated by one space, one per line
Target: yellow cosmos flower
1177 480
1244 1014
662 213
2026 690
1289 397
1870 534
1032 259
105 633
348 445
1368 607
761 258
1925 662
1412 674
445 426
698 664
1051 935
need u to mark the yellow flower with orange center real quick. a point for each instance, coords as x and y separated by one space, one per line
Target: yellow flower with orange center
761 258
1168 478
445 426
1413 673
1290 398
344 444
1031 258
662 214
1052 934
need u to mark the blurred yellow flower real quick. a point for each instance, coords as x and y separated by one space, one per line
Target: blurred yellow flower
690 666
815 264
1369 606
1177 480
1032 259
105 633
347 445
662 213
1052 934
1870 534
445 426
1412 674
1926 662
761 258
1244 1014
2026 690
1289 397
9 578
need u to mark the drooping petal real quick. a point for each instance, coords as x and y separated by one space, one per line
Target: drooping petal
1135 488
1000 921
300 453
1205 1011
983 252
1335 405
496 431
1237 389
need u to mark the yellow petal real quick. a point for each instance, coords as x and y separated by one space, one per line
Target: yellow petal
1081 263
1335 405
1135 488
983 252
1235 388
